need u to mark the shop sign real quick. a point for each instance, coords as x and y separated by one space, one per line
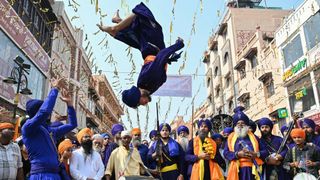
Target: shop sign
11 23
282 113
301 65
301 93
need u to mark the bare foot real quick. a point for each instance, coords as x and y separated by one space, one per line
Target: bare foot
108 29
116 17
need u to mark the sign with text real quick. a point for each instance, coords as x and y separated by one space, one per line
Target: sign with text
11 23
178 86
282 113
298 67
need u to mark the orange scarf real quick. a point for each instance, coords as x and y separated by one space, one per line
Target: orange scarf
198 167
151 58
233 173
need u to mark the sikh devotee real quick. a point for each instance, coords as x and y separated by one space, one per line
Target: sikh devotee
10 156
140 30
136 142
183 134
274 169
86 163
124 161
116 133
153 137
309 126
244 150
97 142
201 154
169 153
39 141
65 153
303 157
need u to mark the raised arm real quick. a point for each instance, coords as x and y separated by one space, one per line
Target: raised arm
167 52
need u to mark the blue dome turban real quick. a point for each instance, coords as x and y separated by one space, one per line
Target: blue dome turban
228 130
216 136
283 128
183 128
32 107
153 133
207 122
308 122
116 128
240 115
131 97
253 125
165 125
265 121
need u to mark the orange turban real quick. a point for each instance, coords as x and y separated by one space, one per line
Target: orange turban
83 132
135 131
6 126
64 145
298 133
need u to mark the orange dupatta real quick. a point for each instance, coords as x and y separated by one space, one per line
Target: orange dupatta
151 58
198 167
233 172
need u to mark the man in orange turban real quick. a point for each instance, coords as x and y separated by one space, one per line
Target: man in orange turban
85 162
303 156
11 162
65 152
136 142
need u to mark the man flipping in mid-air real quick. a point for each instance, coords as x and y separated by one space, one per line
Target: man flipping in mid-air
141 31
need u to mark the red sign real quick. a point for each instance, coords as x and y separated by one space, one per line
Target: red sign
14 26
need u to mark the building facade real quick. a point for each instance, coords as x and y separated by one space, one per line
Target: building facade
297 40
235 52
26 30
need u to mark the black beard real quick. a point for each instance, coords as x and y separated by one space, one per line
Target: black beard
309 136
265 134
87 146
203 135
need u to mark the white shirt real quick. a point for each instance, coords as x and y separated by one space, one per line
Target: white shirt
84 166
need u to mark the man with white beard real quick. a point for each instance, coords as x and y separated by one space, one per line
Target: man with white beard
97 144
183 140
244 150
136 143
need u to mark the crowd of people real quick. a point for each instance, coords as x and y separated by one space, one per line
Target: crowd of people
44 152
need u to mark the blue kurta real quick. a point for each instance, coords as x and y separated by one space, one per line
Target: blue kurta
245 173
177 159
42 152
107 152
272 146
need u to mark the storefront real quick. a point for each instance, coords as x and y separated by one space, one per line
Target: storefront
17 40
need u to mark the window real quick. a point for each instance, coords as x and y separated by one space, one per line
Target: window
216 71
242 71
269 88
227 82
246 103
253 61
226 58
302 92
36 20
292 51
312 31
230 106
208 82
26 6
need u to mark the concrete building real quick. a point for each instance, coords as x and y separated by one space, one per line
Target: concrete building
298 42
236 53
25 31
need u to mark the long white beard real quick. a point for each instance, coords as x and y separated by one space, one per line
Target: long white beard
97 149
136 142
241 132
183 141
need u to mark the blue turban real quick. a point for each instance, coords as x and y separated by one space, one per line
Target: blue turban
240 115
56 124
131 97
228 130
183 128
33 106
116 128
283 129
216 136
208 123
153 133
105 135
253 126
265 121
308 122
165 124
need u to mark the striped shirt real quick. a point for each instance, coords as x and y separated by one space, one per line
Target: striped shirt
10 161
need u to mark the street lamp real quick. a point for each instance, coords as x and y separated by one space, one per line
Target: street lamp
17 76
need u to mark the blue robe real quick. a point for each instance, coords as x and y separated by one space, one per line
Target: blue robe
41 149
316 140
144 33
245 173
272 146
107 152
178 159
